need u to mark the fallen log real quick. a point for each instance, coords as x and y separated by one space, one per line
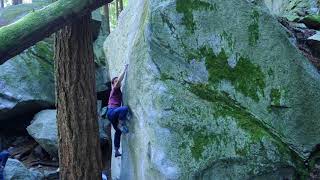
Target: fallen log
39 24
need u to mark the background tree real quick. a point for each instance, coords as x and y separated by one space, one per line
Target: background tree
113 13
107 16
117 8
1 3
121 5
16 2
79 147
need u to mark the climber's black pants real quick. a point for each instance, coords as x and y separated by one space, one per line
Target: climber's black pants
114 114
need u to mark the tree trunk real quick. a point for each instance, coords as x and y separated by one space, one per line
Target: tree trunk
35 26
107 16
121 5
16 2
79 147
117 8
1 3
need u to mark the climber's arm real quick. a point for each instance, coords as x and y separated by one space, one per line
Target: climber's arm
118 84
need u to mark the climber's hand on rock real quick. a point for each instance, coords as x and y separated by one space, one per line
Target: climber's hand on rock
126 66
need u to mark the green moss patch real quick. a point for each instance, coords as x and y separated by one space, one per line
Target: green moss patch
188 6
275 96
227 107
246 77
253 28
312 21
200 142
224 106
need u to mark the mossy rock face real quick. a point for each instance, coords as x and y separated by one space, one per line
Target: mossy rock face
216 91
27 80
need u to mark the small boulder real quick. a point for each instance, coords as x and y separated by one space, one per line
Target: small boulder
36 173
51 175
44 130
15 170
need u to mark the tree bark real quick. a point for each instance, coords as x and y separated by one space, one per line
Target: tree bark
121 5
79 147
1 3
35 26
16 2
117 8
107 16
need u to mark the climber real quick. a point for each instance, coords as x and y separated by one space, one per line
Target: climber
4 155
117 113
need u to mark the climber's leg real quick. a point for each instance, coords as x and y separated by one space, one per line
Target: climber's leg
113 118
119 114
117 137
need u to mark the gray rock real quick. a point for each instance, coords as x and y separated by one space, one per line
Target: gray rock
51 175
103 124
315 37
43 129
252 117
37 174
15 170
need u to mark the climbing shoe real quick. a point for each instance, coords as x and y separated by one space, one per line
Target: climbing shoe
123 128
117 154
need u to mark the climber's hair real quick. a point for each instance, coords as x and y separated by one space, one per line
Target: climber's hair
113 79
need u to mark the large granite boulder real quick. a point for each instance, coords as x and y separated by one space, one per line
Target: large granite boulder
217 91
27 80
43 129
27 83
15 170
